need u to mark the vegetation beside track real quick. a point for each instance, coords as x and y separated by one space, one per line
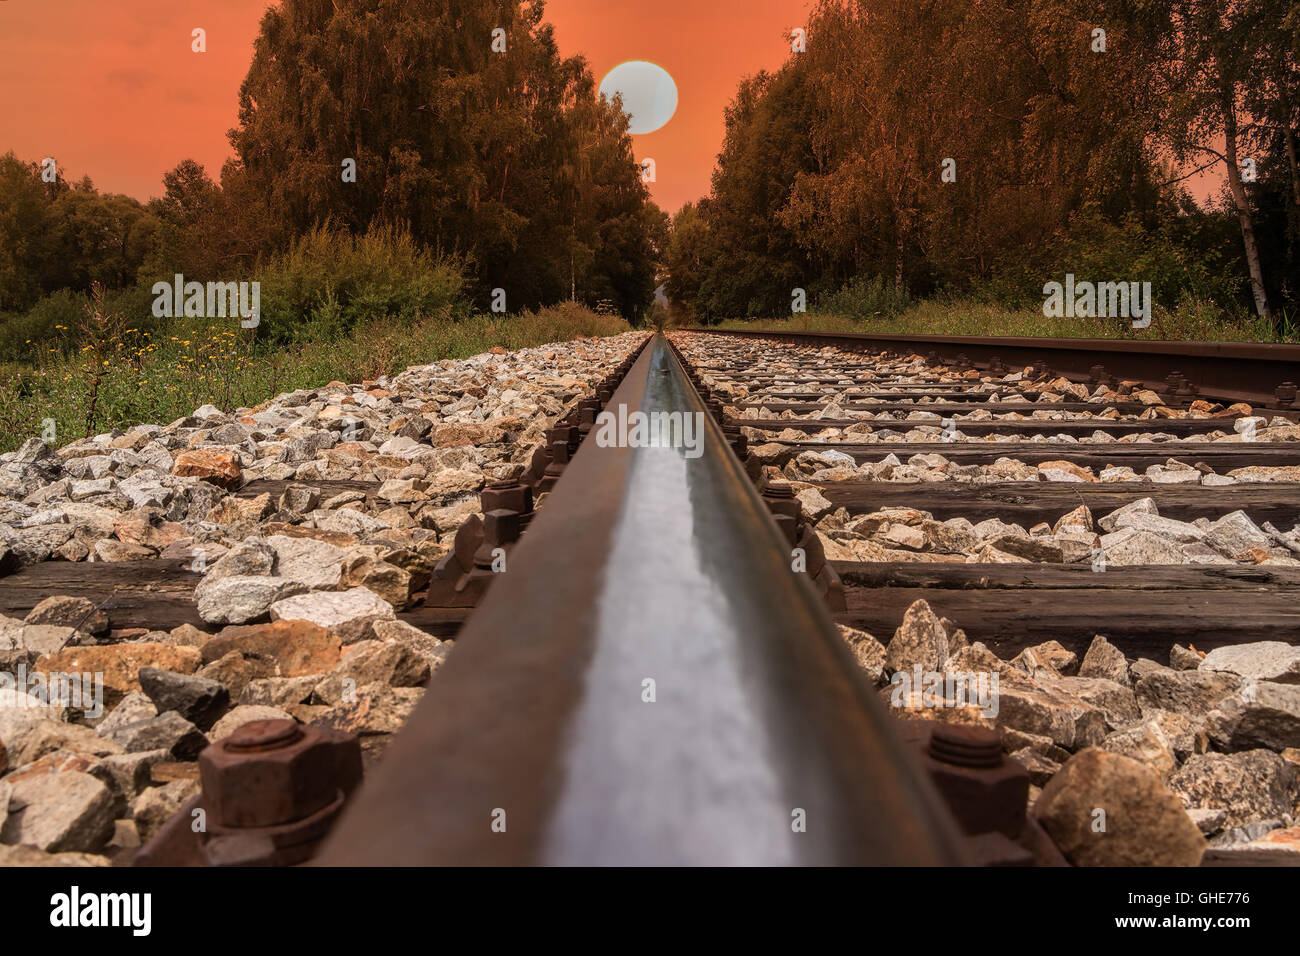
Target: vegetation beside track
119 376
965 317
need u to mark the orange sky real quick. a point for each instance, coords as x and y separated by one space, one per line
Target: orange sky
111 89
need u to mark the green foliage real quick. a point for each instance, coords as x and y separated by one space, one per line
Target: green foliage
508 161
1188 258
55 236
50 327
23 216
755 259
46 328
160 375
329 283
831 175
474 170
1190 319
865 298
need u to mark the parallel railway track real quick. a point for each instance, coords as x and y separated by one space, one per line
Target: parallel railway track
1014 605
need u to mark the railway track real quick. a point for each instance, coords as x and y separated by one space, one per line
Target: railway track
1102 444
680 651
672 580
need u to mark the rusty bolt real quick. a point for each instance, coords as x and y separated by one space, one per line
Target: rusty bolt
739 443
559 460
560 452
271 772
985 790
500 528
780 500
813 551
1285 394
563 433
512 495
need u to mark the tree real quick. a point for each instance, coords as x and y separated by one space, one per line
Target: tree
484 154
686 259
1212 57
959 145
23 234
64 236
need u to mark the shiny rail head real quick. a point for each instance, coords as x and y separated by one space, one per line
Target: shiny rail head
649 684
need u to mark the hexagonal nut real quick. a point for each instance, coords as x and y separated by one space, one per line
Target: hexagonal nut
507 495
271 772
985 798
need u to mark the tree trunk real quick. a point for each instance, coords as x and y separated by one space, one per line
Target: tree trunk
898 254
1243 206
1289 135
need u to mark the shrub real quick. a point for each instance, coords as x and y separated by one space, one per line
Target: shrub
1180 264
330 282
48 328
863 298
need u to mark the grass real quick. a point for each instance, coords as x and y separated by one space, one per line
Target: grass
1189 321
122 376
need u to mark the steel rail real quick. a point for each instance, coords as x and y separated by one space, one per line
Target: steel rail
1237 371
536 743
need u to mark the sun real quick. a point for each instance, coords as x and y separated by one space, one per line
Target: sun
649 94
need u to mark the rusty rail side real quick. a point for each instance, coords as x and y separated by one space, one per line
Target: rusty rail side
542 740
1259 373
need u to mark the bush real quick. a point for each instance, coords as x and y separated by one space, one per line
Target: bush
864 298
118 375
1180 264
330 282
47 328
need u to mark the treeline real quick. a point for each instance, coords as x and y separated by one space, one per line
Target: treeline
965 147
391 157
